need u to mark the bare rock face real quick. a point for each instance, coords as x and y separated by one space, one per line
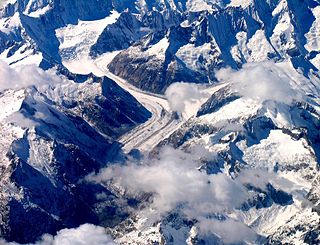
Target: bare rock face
153 72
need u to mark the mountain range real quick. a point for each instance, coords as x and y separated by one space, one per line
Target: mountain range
160 122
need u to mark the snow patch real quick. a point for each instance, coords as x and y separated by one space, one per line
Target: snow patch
76 41
259 47
10 102
242 3
237 110
198 5
39 12
313 36
190 55
159 49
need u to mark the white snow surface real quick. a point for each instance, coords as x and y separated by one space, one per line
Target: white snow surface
313 37
198 5
159 49
76 41
38 13
242 3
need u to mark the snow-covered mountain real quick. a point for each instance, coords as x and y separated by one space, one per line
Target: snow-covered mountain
161 122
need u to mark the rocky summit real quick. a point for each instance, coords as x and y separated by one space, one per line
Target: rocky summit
159 122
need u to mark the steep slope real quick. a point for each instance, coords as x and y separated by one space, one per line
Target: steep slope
51 139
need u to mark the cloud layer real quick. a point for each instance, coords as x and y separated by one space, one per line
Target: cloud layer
25 76
175 180
261 81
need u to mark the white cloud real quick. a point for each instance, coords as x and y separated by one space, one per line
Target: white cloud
262 81
186 98
85 234
259 177
2 4
25 76
175 180
230 231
